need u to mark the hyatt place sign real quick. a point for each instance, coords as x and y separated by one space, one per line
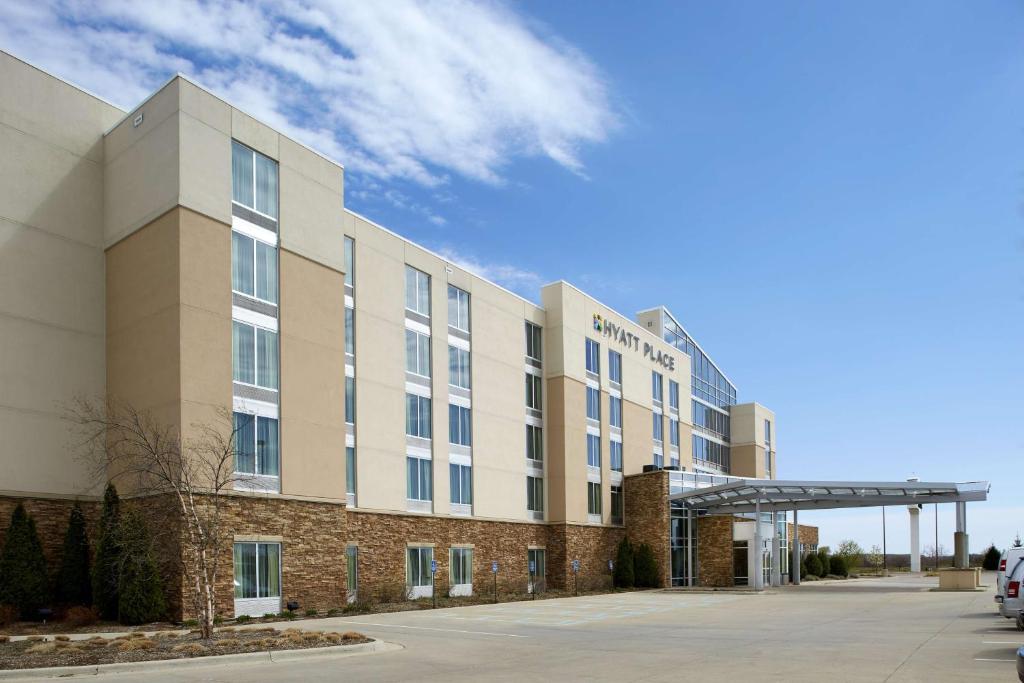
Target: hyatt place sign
619 334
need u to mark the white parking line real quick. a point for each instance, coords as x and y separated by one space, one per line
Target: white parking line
986 659
1002 642
448 630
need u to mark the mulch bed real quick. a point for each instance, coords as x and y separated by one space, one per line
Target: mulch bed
167 645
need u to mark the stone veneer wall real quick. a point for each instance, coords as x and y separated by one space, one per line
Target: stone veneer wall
808 534
714 565
51 517
647 516
593 546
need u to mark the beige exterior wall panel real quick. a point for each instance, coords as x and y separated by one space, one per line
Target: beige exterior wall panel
747 461
205 175
205 107
312 379
157 108
252 133
315 167
311 223
555 450
637 444
571 433
39 457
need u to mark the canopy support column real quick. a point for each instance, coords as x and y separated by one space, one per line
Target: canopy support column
757 549
961 556
776 574
795 541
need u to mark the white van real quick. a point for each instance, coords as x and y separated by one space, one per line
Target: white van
1013 599
1008 562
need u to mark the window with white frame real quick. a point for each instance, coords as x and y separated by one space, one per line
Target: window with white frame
533 391
534 443
535 494
417 416
673 394
460 480
350 400
417 291
350 470
673 432
350 331
659 426
459 425
616 504
458 308
615 455
658 460
657 386
350 261
418 479
533 345
418 560
461 566
458 367
257 446
257 570
253 267
254 355
615 411
593 356
593 498
253 180
593 403
615 366
593 450
417 353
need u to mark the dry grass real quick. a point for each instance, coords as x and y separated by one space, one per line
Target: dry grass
353 635
41 648
312 636
228 642
136 644
190 649
226 629
62 639
35 639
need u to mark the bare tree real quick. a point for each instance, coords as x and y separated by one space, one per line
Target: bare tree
874 558
188 479
935 552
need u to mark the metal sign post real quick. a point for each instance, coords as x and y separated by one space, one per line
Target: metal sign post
494 571
433 589
576 575
533 584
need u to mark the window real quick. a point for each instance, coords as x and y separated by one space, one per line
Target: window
768 434
461 483
708 452
593 403
593 353
711 419
417 353
352 571
459 429
350 331
659 426
593 450
534 443
417 416
615 455
418 562
350 264
253 180
768 464
673 460
458 308
256 445
535 562
535 494
417 478
350 470
615 366
657 386
673 432
461 566
257 570
533 398
254 355
253 267
593 498
417 291
673 394
615 411
658 460
533 347
350 400
617 504
458 367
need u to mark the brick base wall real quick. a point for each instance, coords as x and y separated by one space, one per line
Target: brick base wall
715 551
51 518
647 516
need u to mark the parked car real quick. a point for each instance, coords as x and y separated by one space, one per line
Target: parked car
1007 563
1020 664
1013 597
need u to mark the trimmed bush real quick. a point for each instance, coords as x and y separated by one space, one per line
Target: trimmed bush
74 581
823 557
624 575
991 560
80 616
24 581
645 567
812 565
107 564
837 566
140 593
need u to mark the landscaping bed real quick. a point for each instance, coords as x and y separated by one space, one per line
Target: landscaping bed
137 647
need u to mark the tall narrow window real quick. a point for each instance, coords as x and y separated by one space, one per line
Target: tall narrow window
533 345
418 565
593 356
256 445
617 504
257 570
254 355
350 263
253 180
593 498
657 392
659 434
534 443
418 482
458 308
615 411
615 366
535 494
461 566
459 425
615 455
673 432
461 483
593 450
417 353
350 331
593 403
350 400
673 394
458 367
533 392
417 291
417 416
350 470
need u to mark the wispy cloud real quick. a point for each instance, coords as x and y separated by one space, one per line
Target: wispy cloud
399 89
526 283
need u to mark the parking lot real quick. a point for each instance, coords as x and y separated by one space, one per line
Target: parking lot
865 630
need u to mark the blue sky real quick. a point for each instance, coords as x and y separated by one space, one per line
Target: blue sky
828 195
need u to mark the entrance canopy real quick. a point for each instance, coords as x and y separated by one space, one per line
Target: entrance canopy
750 495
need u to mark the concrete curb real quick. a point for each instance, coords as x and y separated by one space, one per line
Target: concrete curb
336 651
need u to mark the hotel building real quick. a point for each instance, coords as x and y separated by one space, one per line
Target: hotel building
395 413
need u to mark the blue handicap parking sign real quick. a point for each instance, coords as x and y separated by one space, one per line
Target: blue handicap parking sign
433 566
494 567
575 565
533 566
